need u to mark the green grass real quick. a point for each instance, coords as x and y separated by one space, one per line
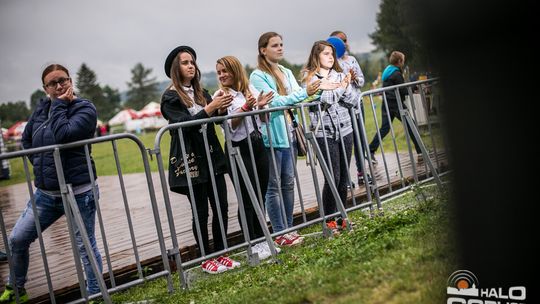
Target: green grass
130 158
404 256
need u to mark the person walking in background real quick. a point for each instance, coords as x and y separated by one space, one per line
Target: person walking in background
332 124
392 75
233 81
270 76
186 100
60 118
350 65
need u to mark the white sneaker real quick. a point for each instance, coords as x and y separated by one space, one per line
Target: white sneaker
264 251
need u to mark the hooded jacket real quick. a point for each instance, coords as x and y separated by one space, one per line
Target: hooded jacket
392 76
59 122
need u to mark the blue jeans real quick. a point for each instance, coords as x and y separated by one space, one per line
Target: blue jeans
285 171
50 209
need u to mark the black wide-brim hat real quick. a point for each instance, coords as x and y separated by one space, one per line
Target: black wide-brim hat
172 55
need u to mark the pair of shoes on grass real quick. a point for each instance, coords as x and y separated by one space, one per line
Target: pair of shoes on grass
289 239
219 265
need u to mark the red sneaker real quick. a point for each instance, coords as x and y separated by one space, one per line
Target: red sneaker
288 240
227 262
213 267
333 226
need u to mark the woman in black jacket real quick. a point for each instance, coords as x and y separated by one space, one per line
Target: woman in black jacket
60 118
183 101
392 76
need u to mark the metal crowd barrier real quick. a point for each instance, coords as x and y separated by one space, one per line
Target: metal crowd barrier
74 220
314 159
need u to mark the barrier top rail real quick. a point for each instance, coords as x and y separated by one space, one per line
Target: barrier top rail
73 145
222 118
405 84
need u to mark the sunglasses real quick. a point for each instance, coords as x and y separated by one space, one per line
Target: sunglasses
54 83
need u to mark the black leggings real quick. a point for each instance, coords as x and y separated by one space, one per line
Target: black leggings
261 162
340 168
204 193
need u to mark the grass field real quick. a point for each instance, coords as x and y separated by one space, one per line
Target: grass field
130 158
404 256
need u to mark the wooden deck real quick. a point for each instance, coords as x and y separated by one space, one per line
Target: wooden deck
13 200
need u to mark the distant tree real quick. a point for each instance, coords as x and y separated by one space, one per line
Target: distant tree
12 112
112 103
142 89
398 28
35 97
88 88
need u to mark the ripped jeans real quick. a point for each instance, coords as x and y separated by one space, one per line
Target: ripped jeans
50 209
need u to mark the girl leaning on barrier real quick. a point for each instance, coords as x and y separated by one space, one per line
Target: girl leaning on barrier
233 81
332 125
185 100
270 76
350 65
60 118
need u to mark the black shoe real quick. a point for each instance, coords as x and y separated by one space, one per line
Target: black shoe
361 179
3 256
373 159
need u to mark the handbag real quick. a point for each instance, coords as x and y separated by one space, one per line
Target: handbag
301 145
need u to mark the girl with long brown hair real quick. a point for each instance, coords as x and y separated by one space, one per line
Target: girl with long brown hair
186 100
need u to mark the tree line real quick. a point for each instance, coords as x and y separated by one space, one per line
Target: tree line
142 89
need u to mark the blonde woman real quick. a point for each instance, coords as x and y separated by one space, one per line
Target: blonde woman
245 98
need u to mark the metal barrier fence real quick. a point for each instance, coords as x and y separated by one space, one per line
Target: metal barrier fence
75 221
243 170
315 159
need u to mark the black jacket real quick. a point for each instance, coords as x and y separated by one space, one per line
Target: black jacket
395 79
175 111
69 121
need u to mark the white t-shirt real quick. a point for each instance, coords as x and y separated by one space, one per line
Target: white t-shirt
240 133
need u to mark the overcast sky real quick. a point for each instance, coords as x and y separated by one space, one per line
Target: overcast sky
112 36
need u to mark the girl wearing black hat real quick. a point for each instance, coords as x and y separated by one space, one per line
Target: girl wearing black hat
186 100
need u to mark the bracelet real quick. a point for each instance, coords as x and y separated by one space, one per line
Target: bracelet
245 108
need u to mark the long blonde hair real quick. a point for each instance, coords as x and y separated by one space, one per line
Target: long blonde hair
262 63
313 64
238 73
177 81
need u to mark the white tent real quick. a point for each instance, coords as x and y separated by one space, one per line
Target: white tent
123 116
150 110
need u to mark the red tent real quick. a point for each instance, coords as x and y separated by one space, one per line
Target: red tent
15 131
